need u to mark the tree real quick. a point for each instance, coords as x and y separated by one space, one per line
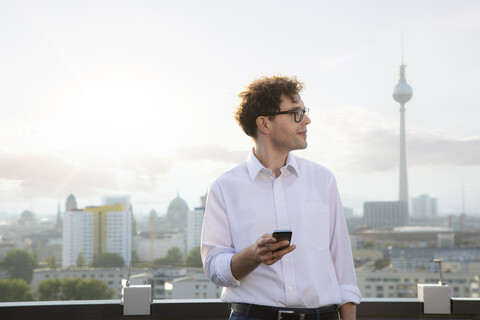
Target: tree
107 260
20 264
49 289
79 289
14 290
81 261
174 257
369 244
52 262
74 289
194 258
68 290
381 263
93 289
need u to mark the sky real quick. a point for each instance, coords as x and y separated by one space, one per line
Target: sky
136 98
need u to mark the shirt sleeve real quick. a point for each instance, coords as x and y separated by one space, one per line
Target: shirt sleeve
341 251
216 243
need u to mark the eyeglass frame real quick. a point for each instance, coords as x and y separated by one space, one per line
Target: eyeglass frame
294 112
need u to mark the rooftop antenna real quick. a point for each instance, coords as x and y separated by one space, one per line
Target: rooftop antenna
439 261
127 283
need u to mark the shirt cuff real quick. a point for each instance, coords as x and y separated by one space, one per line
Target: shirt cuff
350 293
223 263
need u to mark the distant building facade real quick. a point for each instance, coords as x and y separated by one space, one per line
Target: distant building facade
385 214
424 206
194 225
162 280
385 284
195 286
97 230
112 277
160 244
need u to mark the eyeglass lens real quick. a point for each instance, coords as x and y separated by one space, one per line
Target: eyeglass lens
299 113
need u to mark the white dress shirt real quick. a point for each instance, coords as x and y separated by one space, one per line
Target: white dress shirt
247 202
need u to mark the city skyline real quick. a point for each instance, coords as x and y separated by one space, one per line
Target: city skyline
137 99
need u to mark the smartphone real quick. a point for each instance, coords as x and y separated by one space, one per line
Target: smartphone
282 235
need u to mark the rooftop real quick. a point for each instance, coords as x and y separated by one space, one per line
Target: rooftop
462 308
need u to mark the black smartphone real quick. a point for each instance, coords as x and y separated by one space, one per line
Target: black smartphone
281 235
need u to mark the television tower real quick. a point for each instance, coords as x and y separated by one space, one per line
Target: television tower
402 93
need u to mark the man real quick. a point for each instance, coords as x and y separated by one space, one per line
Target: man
262 278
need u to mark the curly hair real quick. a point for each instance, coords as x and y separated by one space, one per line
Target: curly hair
262 97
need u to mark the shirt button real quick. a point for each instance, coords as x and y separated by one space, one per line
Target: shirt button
287 260
290 288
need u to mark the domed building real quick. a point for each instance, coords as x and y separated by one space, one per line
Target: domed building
27 218
177 213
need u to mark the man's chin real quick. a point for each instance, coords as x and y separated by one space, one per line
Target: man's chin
301 147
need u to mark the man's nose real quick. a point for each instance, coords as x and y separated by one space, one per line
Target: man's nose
307 119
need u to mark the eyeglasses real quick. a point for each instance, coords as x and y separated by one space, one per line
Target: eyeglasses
298 113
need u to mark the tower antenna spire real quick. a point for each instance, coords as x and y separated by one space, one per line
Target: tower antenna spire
402 27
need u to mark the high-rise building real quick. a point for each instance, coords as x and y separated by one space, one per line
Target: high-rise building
424 207
385 214
194 225
97 230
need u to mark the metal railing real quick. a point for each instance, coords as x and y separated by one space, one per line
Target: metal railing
462 308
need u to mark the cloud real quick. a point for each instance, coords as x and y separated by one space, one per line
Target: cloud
211 152
42 174
362 140
437 150
56 174
466 19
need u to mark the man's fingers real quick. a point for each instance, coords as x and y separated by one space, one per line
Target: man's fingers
280 245
270 257
280 253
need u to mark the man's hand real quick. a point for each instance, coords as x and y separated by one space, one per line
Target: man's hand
266 247
262 251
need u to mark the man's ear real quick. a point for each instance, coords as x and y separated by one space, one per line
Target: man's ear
263 124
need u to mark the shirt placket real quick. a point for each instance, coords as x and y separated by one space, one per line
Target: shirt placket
283 223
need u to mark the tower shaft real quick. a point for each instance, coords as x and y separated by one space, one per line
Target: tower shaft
403 187
402 93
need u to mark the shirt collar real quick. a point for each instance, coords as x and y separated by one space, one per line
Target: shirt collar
254 166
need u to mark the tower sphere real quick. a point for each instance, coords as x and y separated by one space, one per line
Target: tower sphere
402 92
